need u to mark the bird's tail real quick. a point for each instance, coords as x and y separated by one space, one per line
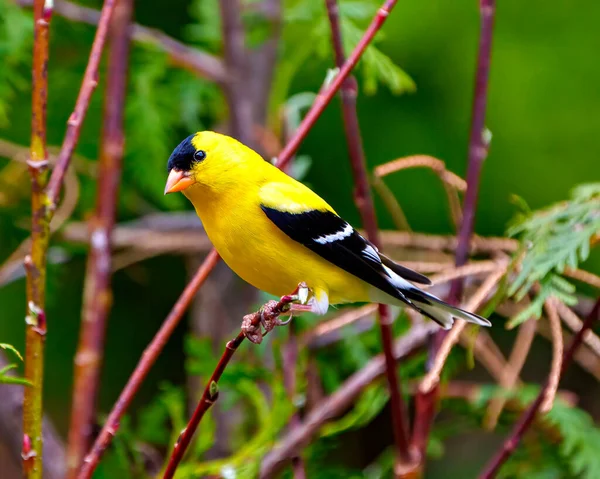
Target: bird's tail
430 305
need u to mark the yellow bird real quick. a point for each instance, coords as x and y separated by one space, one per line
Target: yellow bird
275 233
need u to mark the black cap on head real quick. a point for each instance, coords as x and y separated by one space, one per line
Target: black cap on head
183 156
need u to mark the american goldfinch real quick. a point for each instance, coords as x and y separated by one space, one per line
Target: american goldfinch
276 233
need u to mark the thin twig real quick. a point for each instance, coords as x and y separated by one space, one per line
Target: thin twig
478 150
340 400
574 323
364 203
97 292
192 59
35 262
325 96
157 343
518 356
527 418
251 325
583 276
391 203
557 354
433 376
75 122
422 161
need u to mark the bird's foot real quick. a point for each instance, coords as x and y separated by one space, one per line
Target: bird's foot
268 316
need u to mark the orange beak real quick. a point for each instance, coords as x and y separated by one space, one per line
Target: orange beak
178 181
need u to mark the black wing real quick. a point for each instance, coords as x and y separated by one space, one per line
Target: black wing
332 238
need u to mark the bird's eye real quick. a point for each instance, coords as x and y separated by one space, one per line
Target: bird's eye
199 155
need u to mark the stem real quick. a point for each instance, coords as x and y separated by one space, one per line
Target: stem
325 96
527 418
478 144
364 203
211 391
340 401
478 150
97 292
88 85
35 262
158 342
143 367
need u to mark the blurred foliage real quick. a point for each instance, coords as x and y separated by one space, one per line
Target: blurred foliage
541 115
10 379
564 443
554 238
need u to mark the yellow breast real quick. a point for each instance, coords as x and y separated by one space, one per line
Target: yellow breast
261 254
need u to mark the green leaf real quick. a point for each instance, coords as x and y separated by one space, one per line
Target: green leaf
12 349
553 239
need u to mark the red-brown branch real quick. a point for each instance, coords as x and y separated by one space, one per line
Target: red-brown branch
252 322
146 362
75 122
325 97
527 418
157 343
97 292
478 150
35 262
364 203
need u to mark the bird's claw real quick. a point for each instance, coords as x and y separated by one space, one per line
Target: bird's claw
251 328
268 315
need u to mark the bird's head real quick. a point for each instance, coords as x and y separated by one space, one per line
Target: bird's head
206 158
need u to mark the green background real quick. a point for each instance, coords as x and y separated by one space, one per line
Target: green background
542 111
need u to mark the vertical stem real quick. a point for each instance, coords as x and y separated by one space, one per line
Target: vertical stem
478 150
478 143
97 292
527 418
364 203
35 262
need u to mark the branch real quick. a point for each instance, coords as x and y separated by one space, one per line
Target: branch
97 291
340 400
161 337
527 418
35 262
364 203
518 356
11 410
329 92
192 59
146 362
88 85
478 150
557 353
268 315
